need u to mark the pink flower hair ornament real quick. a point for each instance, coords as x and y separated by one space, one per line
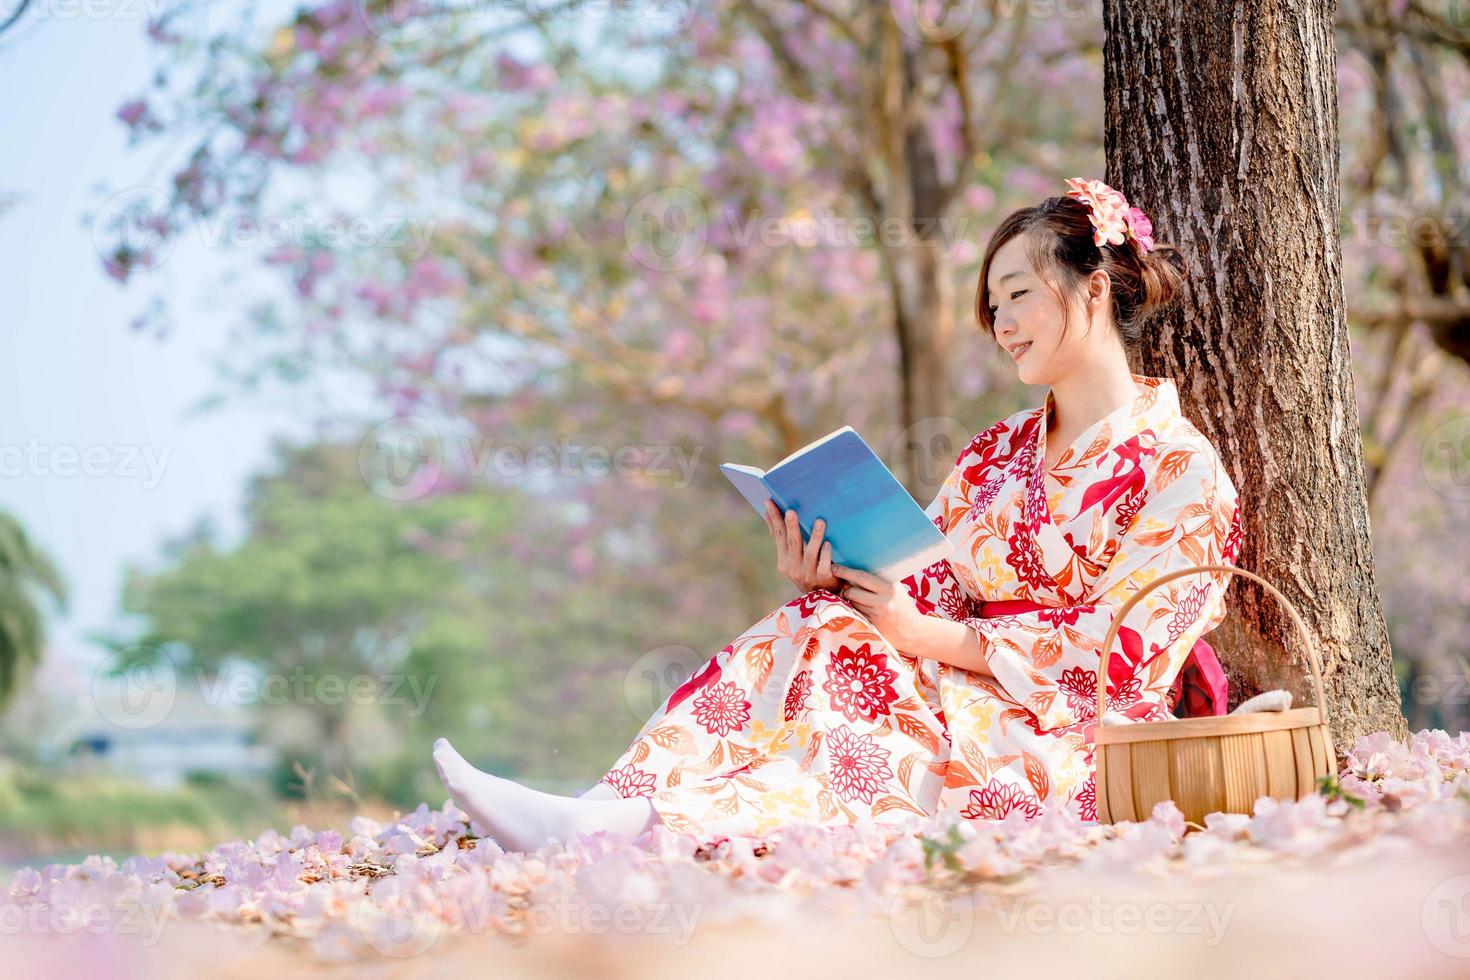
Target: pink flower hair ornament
1113 218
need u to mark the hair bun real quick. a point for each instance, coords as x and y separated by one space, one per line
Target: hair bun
1160 281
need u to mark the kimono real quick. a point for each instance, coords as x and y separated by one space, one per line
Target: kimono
812 716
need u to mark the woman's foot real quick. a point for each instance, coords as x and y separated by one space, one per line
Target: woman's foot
523 819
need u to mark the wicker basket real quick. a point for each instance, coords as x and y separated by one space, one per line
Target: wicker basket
1211 764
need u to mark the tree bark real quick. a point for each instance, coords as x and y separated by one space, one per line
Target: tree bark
1221 123
924 321
909 193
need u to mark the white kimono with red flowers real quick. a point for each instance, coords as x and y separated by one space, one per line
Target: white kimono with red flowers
810 715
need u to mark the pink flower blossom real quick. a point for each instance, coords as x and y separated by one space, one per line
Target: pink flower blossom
404 885
132 112
1113 219
1141 228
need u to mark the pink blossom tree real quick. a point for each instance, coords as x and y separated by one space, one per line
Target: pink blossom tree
727 233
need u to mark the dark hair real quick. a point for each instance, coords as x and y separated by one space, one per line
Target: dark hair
1059 240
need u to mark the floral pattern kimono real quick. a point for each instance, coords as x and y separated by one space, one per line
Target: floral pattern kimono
810 715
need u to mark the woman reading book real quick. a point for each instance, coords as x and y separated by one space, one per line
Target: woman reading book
971 684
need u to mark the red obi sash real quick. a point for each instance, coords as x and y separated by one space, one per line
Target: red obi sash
1200 689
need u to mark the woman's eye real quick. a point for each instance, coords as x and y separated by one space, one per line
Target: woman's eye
1018 292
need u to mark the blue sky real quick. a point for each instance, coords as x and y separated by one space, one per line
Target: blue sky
82 391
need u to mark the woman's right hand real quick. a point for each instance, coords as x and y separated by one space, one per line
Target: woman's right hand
807 566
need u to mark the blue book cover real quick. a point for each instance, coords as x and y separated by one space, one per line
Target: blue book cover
873 523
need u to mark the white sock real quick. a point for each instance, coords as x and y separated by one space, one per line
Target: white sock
523 819
601 790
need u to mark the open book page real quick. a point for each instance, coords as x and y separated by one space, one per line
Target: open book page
750 481
813 445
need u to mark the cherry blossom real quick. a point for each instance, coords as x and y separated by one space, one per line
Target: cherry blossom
403 886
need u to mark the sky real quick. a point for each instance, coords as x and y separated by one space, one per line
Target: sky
102 456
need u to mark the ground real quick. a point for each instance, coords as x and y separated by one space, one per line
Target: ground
1369 878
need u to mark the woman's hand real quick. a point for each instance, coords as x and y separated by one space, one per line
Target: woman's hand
808 567
887 605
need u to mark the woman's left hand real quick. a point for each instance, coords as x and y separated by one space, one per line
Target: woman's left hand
887 605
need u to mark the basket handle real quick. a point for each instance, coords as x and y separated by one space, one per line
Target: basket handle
1314 658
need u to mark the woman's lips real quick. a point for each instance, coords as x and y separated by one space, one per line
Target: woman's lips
1021 350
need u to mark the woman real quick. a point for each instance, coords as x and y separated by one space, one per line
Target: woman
971 684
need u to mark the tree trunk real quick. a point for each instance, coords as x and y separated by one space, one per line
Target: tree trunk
333 749
902 188
1221 123
923 300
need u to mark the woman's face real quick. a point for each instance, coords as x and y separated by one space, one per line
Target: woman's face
1026 313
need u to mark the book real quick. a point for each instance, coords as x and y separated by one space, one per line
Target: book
873 523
